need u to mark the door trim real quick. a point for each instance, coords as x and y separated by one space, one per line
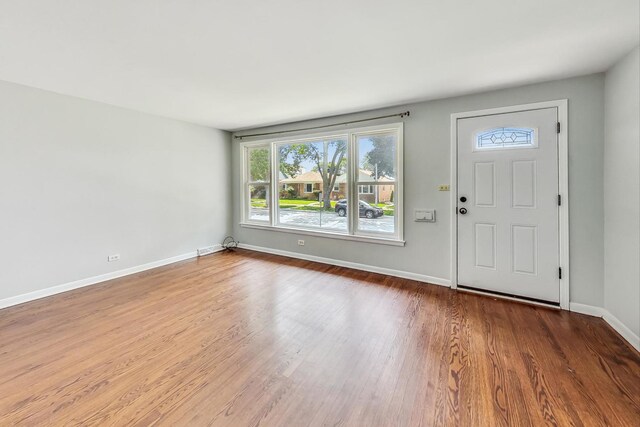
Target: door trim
563 185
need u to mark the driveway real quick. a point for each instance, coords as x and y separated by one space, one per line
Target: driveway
325 219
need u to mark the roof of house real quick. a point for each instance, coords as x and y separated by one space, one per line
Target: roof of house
310 177
314 177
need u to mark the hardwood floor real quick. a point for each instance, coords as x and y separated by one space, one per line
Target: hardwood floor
245 339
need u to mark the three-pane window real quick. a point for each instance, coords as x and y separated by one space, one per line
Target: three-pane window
309 183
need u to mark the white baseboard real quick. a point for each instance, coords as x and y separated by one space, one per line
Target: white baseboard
612 320
42 293
622 329
354 265
589 310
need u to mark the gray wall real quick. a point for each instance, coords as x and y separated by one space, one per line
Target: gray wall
80 180
622 195
427 164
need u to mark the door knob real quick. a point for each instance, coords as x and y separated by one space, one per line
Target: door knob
463 199
462 211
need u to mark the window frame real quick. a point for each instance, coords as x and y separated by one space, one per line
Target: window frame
246 182
351 185
305 188
396 184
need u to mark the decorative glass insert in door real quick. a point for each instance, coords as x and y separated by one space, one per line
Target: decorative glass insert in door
506 137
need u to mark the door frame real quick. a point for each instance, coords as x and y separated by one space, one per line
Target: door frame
563 185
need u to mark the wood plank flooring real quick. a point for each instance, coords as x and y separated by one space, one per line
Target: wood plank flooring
248 339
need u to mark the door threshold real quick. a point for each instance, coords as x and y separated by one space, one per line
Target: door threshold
510 297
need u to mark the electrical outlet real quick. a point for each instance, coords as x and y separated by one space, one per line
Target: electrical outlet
443 187
300 242
114 257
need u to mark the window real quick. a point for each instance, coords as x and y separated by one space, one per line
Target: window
325 160
378 164
257 182
365 189
320 176
500 138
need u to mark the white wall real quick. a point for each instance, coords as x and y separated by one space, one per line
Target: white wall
80 180
427 164
622 191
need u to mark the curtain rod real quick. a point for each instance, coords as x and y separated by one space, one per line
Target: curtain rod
404 114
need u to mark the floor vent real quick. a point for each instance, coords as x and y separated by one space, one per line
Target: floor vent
207 250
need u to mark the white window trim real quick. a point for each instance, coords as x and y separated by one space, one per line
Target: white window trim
354 196
245 183
396 239
368 187
305 187
328 234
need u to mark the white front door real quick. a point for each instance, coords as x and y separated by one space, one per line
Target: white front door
507 198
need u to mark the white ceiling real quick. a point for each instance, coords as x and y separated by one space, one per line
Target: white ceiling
235 64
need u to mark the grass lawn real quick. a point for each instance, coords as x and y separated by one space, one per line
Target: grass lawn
387 209
313 205
301 204
298 202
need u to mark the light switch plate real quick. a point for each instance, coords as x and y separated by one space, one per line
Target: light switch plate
424 215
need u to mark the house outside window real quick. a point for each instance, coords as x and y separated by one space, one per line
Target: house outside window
319 176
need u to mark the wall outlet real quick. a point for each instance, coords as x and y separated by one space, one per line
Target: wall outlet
443 187
207 250
300 242
114 257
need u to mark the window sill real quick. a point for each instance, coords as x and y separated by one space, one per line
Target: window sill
326 234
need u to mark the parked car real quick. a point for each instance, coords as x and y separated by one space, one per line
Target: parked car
365 209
